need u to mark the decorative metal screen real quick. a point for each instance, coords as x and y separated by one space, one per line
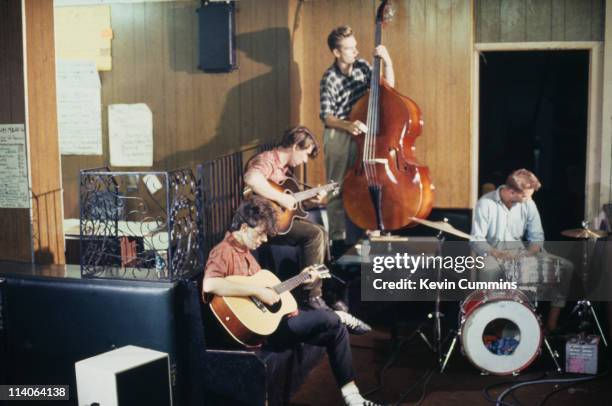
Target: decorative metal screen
139 225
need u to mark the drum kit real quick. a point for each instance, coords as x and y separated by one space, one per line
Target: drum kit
500 330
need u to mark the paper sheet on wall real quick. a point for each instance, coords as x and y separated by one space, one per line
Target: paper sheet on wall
79 107
84 33
13 167
130 134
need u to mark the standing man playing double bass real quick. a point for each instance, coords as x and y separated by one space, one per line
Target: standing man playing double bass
343 83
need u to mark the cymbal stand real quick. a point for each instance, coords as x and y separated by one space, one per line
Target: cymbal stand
435 345
437 316
584 307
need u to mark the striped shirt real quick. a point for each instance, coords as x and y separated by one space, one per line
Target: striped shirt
340 92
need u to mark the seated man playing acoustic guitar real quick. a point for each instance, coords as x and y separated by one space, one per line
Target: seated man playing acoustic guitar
277 165
252 223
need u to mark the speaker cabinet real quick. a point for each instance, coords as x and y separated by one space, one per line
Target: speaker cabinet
217 33
126 376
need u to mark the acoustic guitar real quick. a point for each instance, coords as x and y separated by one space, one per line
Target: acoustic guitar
285 217
247 319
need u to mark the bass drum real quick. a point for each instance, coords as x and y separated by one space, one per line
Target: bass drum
500 332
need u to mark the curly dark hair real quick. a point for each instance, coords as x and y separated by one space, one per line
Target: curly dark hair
337 35
254 212
302 137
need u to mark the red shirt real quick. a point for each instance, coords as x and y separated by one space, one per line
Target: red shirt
229 257
269 165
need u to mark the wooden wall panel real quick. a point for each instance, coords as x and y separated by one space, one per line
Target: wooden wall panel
15 241
430 43
47 229
539 20
196 115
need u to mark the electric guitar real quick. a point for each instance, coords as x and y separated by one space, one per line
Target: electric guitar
247 319
285 217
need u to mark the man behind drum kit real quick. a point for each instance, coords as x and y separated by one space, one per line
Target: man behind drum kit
504 218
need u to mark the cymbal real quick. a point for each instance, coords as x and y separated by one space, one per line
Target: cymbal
584 233
442 226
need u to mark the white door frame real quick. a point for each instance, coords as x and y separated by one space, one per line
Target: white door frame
596 141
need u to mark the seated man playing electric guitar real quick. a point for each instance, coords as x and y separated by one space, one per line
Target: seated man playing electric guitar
297 145
253 221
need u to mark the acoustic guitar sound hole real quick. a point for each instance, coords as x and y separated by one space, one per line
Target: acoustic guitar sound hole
275 307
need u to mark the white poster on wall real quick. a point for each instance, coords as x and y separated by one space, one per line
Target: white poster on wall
130 134
14 192
79 107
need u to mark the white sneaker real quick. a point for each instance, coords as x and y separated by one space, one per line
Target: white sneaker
353 324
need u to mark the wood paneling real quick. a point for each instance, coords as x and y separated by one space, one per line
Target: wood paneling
539 20
196 116
15 242
47 229
430 44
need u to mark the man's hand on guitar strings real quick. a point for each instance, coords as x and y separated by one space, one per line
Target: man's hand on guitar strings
288 201
268 296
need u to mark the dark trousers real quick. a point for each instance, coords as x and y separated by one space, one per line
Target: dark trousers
322 328
312 240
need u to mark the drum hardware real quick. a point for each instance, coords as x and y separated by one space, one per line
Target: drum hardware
443 227
584 306
585 232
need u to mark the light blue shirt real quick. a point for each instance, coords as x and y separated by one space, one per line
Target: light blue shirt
494 223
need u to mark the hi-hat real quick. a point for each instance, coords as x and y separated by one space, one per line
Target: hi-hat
584 233
442 226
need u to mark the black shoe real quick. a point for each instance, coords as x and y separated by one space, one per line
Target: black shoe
317 303
353 324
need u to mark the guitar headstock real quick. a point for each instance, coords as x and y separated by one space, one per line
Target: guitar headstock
321 271
333 186
385 12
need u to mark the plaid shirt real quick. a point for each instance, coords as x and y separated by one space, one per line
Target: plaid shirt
340 92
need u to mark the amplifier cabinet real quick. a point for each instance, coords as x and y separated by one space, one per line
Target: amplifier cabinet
126 376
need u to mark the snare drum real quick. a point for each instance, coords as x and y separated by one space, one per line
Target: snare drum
507 315
535 269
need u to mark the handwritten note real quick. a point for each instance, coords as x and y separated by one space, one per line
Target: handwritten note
84 33
79 107
130 134
14 192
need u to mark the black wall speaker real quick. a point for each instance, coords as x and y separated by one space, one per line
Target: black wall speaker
217 32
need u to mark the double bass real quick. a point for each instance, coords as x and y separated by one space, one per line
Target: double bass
387 187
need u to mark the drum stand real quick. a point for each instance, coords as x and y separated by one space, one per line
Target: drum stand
436 316
584 306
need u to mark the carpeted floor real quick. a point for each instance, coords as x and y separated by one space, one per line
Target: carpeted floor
460 384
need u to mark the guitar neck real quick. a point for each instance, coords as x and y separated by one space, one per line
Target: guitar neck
291 283
310 193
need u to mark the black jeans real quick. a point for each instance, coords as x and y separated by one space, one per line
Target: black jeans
314 247
324 329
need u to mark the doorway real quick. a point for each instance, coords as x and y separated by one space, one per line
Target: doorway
533 114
